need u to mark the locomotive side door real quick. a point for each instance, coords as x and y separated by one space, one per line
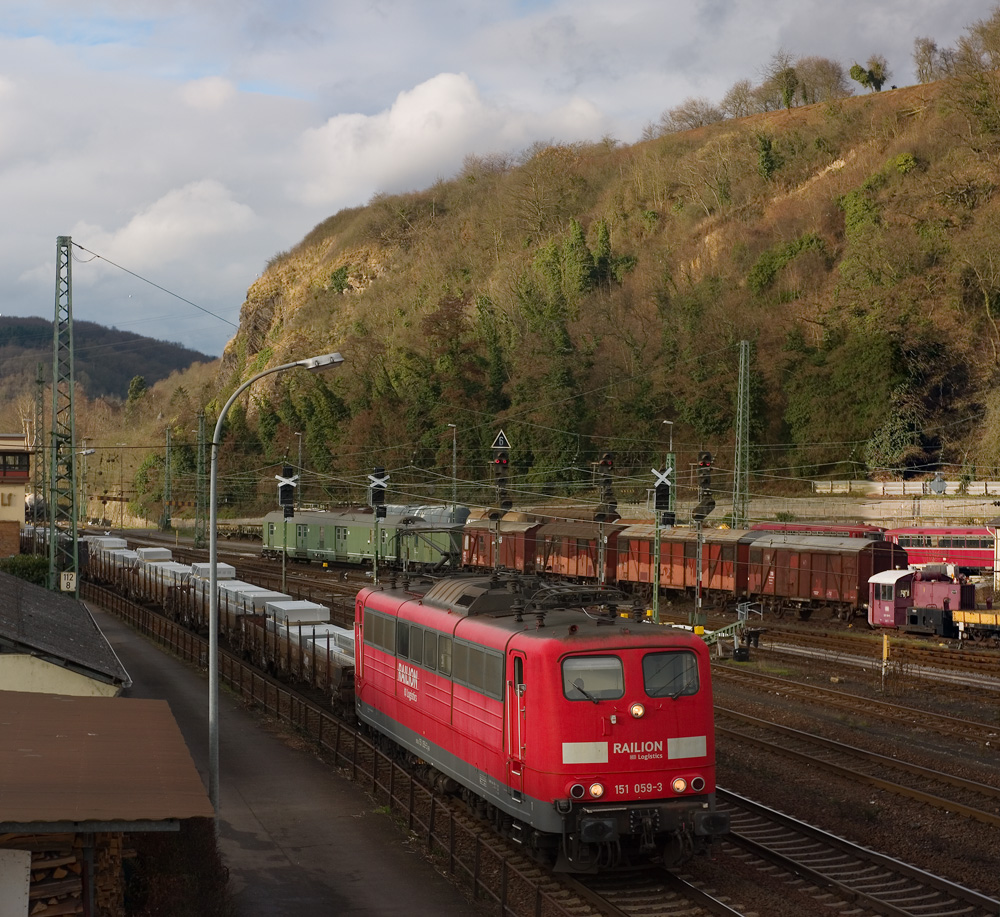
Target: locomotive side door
514 710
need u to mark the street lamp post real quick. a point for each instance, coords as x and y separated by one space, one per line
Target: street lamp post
298 490
82 508
312 363
454 472
121 487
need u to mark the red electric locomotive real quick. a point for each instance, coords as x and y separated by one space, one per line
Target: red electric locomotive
586 735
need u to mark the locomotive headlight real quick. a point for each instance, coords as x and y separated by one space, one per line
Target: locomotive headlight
679 785
638 711
596 790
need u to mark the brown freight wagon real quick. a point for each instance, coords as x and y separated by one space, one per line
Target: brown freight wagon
807 573
579 551
513 536
723 568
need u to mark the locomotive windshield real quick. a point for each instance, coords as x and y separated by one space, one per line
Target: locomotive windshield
593 678
670 674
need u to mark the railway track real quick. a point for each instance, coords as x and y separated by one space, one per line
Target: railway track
524 888
976 801
496 870
979 669
842 877
982 733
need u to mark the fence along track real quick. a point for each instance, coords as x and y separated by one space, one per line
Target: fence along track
866 879
492 871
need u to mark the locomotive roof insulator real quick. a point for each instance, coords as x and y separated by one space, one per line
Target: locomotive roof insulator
517 606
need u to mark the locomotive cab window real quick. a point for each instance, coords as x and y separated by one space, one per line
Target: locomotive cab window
593 678
380 631
670 674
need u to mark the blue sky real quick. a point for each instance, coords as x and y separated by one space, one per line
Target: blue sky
189 142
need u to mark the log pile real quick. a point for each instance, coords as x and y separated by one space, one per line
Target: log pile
59 872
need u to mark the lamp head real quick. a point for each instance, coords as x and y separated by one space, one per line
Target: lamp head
326 359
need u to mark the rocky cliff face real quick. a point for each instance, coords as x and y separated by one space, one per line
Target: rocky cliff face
303 303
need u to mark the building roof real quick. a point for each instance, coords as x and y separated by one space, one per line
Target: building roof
56 628
96 763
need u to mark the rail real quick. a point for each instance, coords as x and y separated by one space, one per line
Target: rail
469 853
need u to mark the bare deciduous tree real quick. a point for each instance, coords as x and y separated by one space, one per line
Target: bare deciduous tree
738 102
691 113
821 80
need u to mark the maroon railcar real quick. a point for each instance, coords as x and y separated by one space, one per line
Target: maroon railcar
504 544
805 573
585 552
833 530
968 548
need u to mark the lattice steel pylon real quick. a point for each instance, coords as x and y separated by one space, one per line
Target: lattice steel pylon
63 552
166 520
39 478
201 498
741 474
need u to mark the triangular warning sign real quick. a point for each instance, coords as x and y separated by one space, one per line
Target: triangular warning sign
501 441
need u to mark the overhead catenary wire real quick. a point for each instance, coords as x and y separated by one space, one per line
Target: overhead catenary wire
153 283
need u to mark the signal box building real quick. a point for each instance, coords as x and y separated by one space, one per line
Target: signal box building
15 472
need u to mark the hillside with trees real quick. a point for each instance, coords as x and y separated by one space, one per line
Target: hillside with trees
578 296
105 360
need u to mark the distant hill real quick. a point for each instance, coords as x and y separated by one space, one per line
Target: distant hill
105 360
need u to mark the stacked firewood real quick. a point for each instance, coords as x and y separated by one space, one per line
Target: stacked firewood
58 868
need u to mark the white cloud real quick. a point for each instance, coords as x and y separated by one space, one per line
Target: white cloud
208 94
426 134
191 141
177 226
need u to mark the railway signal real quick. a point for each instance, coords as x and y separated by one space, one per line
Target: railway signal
706 502
608 510
661 496
378 482
501 472
287 482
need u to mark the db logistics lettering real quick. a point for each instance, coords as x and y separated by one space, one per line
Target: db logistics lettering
407 675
